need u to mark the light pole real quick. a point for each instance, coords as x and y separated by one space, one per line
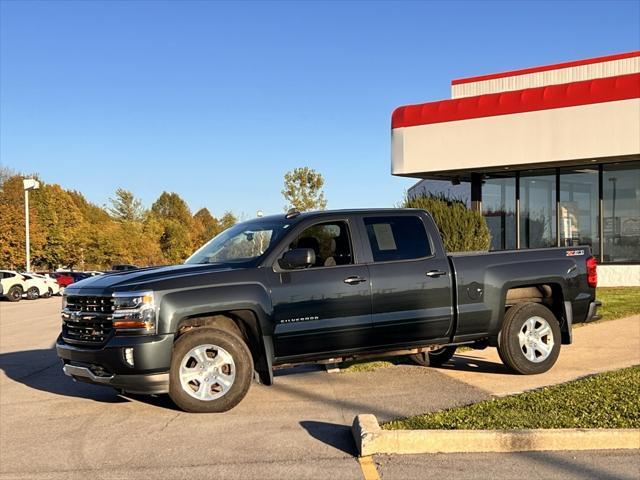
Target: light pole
29 184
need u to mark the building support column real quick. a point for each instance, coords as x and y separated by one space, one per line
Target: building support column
476 192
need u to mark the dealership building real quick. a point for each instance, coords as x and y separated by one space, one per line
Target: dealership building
550 155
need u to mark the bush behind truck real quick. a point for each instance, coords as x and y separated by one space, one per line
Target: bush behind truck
305 287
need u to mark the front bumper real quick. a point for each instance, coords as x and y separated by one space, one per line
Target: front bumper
107 365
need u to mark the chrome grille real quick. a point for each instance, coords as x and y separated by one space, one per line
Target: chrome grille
87 319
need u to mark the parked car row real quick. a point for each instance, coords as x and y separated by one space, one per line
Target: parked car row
14 286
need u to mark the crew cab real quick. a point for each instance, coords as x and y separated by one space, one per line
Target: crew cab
307 287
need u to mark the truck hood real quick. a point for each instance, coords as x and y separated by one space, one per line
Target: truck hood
144 278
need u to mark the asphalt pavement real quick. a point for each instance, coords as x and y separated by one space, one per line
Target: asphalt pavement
51 427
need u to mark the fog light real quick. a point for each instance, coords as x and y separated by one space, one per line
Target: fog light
128 355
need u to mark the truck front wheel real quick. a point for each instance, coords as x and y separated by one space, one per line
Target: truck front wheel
529 342
211 370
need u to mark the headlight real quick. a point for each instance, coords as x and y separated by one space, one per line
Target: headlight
135 312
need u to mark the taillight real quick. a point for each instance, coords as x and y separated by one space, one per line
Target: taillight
592 272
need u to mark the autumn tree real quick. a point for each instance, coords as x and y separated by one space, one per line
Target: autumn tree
12 234
174 217
68 231
206 226
125 206
303 190
63 229
228 220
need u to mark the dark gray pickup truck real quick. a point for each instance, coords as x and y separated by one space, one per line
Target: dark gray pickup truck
309 287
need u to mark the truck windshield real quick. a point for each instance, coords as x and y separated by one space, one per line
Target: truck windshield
243 242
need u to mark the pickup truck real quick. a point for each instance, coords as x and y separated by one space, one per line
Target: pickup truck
308 287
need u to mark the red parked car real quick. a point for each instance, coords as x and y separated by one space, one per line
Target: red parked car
63 279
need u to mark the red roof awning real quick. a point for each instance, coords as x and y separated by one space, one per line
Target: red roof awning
586 92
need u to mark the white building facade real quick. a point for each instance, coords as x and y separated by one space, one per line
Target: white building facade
550 156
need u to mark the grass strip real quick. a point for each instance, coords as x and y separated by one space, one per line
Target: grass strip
618 302
606 400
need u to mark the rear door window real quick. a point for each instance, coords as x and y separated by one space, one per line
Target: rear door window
397 238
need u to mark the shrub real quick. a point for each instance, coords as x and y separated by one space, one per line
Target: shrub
462 230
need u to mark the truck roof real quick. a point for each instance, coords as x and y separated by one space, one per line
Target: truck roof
349 211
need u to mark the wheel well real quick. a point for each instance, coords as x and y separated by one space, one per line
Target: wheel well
549 295
243 323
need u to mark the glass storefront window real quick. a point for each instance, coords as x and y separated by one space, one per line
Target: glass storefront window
499 210
578 209
621 212
538 209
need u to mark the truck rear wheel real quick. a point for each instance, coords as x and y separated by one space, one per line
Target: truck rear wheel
529 342
211 370
434 358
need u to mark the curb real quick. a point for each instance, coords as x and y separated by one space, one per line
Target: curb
371 439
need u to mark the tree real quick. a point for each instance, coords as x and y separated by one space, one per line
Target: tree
12 234
206 226
63 227
125 206
303 190
228 220
177 227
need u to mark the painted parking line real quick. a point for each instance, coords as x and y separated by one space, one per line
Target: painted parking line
368 467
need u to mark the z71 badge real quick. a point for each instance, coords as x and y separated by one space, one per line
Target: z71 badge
575 253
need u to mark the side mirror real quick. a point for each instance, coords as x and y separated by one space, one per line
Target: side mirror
297 258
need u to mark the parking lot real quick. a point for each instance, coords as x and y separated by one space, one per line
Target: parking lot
52 427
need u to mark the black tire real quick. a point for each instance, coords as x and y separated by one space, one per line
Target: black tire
48 294
434 358
513 355
15 293
33 293
242 360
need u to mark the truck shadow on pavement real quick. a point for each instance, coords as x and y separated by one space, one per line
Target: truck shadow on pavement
42 370
464 363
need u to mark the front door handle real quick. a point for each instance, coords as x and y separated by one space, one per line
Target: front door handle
354 280
435 273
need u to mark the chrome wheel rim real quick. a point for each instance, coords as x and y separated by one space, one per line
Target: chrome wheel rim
207 372
536 339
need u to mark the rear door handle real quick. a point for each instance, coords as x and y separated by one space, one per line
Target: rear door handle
354 280
435 273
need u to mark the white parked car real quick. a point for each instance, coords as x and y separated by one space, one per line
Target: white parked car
36 286
52 284
12 285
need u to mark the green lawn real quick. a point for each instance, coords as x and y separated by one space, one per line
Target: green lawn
607 400
618 302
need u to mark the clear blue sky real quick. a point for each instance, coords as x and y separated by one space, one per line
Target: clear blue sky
216 101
